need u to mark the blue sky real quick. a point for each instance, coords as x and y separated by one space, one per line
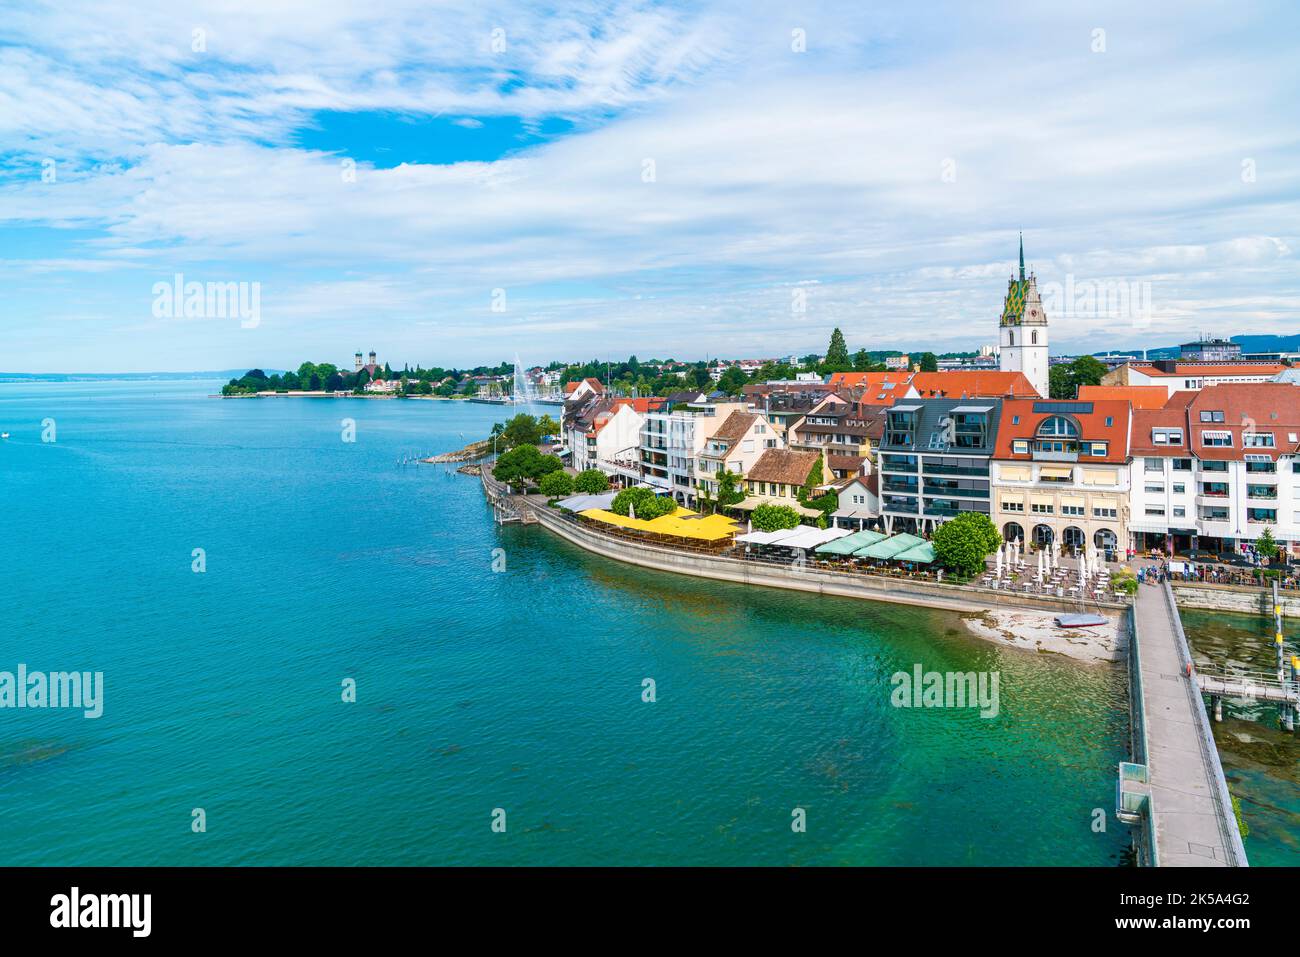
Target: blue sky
386 173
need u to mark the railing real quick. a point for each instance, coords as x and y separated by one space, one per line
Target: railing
1148 855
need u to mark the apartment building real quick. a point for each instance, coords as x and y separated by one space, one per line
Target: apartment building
934 461
734 447
1177 376
1218 467
608 431
672 437
1060 473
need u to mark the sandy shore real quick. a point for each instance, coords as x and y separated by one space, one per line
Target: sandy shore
1037 631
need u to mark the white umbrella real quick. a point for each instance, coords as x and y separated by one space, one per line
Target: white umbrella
749 526
1040 568
998 563
1083 568
631 510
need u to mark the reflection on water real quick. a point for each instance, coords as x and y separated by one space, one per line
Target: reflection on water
1260 759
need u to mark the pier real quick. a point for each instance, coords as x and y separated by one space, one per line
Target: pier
1187 812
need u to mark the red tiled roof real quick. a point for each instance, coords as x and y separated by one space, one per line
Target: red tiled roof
1211 368
1020 421
1142 396
988 383
785 466
1172 416
1258 407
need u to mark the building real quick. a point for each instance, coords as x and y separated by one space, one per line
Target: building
898 363
1023 330
1216 468
934 461
735 445
606 434
1210 350
372 368
383 386
672 437
1177 376
859 501
1060 473
777 477
783 408
578 391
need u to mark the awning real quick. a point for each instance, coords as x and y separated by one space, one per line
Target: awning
1055 472
889 547
750 503
581 503
812 537
767 538
922 554
1148 527
962 409
850 543
853 513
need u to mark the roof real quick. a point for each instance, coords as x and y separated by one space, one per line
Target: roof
1209 368
734 427
974 382
1172 417
1141 396
1022 417
845 463
930 432
875 387
1257 407
784 466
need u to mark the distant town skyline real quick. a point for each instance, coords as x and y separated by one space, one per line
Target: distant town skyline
657 179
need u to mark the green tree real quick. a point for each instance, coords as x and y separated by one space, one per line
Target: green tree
556 484
1266 546
774 518
929 362
729 490
963 542
1059 383
1087 370
644 501
591 482
522 429
837 354
733 380
524 463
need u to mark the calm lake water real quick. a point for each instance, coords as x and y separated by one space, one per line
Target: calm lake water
1260 760
476 690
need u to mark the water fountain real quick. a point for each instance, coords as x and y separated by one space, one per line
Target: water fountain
523 392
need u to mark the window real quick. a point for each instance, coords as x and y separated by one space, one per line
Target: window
1182 465
1020 447
1257 440
1167 436
1099 449
760 429
1180 512
1157 510
1072 510
1011 338
1102 512
1180 488
1013 506
1059 425
1015 420
1216 439
1155 490
1155 465
1033 337
1214 466
1209 416
1110 421
1043 509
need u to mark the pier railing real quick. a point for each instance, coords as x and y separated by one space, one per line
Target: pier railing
1141 812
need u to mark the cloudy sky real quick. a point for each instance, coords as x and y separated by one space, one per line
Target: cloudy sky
452 183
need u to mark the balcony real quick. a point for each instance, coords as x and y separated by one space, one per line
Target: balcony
899 504
975 471
906 488
1263 493
956 492
1055 456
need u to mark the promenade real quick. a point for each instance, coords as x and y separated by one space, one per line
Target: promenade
1190 805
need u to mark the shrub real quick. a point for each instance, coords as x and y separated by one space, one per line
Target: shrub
591 482
774 518
556 484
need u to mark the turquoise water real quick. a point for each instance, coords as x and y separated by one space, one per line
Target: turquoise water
476 689
1261 761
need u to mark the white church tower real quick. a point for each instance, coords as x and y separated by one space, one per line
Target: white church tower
1022 345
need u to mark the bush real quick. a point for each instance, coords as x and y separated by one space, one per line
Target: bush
556 484
964 541
774 518
1124 582
591 482
644 501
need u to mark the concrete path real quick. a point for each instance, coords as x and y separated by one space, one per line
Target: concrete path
1193 826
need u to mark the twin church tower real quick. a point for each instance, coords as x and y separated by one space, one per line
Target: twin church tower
1022 343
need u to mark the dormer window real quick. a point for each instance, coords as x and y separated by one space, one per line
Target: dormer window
1058 426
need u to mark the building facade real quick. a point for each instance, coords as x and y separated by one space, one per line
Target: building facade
737 443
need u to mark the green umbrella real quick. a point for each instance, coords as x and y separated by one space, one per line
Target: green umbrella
922 554
850 543
890 547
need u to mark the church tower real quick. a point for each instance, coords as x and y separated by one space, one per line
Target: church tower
1022 344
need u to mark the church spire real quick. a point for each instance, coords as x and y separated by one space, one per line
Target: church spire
1022 257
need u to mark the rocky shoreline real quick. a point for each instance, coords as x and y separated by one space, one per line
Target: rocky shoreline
470 453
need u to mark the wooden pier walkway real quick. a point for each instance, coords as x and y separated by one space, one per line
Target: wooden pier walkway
1189 807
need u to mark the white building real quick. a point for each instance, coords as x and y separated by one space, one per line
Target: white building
1023 330
671 440
734 446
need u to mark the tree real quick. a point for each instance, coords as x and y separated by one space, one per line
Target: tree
591 482
729 491
556 484
522 429
644 502
1266 546
929 362
1059 383
1087 370
524 463
774 518
837 354
963 542
733 380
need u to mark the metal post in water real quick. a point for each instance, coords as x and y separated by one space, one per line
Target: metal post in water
1277 631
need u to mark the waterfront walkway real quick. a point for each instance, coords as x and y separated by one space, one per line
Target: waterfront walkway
1194 823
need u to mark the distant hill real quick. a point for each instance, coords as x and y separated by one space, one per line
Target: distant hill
141 376
1248 344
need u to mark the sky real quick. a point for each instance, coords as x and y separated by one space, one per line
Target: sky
452 184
